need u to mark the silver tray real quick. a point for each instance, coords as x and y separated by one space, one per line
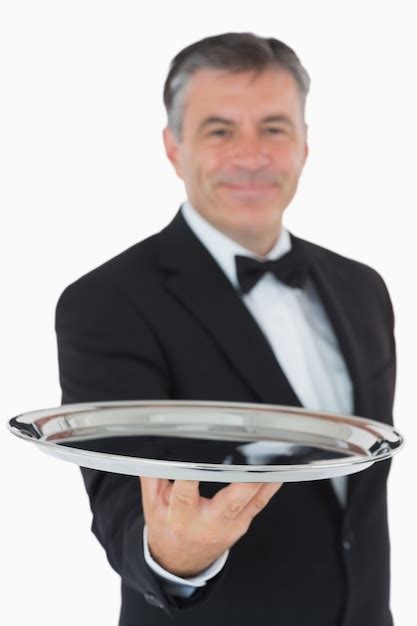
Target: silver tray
209 441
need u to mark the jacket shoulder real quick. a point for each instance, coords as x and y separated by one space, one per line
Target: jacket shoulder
346 267
136 264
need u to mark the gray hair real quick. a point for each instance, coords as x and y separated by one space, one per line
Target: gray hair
235 52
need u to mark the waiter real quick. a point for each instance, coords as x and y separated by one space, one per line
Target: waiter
225 304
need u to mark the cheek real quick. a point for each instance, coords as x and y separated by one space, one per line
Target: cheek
296 160
286 159
207 170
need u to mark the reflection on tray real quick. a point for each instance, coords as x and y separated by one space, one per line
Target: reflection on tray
208 451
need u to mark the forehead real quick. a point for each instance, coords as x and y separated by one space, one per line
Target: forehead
211 92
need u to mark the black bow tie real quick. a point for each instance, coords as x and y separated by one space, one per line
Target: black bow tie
291 268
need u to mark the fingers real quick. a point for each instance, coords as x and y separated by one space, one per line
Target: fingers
232 500
180 501
260 500
153 490
183 500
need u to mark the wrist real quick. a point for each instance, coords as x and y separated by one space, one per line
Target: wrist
181 565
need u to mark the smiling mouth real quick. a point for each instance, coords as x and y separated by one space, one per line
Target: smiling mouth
249 188
248 185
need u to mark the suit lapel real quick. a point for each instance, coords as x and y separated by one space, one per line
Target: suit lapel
338 304
196 280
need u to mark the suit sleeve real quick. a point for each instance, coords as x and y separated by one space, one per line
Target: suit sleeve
107 352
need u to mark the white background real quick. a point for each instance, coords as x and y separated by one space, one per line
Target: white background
84 176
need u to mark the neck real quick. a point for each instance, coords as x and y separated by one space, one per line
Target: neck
261 244
257 240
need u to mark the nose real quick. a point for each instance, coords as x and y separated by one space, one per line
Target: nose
250 152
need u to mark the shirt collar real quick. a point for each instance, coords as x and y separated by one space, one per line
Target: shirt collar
224 249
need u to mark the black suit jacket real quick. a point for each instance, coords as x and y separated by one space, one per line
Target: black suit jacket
162 321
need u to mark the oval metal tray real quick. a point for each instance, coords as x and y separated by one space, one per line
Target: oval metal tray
209 441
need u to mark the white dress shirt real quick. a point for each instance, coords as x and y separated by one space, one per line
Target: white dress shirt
300 334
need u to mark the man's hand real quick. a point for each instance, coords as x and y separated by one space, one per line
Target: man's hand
186 532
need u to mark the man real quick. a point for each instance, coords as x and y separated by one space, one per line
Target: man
182 315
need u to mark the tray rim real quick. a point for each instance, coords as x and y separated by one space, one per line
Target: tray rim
80 407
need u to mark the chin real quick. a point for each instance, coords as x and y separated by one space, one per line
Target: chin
260 214
256 222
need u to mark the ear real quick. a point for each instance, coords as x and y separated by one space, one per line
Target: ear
306 148
172 149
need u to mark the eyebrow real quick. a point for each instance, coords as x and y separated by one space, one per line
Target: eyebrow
214 119
278 118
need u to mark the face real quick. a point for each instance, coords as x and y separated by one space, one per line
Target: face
242 149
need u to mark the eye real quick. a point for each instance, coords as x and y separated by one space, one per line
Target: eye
273 130
218 132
